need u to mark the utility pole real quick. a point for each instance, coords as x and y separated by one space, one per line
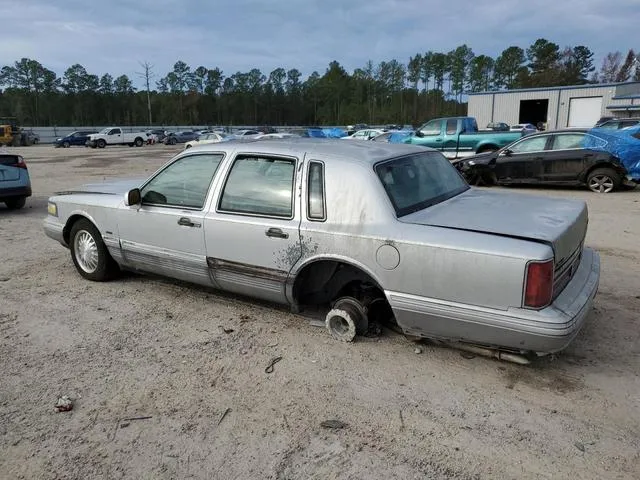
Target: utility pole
147 74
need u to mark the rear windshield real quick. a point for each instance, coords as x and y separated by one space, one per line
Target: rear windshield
418 181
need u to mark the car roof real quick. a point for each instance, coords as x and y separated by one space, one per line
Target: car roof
318 148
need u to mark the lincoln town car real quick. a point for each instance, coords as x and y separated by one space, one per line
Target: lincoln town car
356 230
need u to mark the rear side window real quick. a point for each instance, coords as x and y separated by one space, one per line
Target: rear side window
315 192
452 127
259 185
568 141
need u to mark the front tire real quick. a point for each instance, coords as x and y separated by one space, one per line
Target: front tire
15 203
66 144
604 180
101 143
90 254
139 142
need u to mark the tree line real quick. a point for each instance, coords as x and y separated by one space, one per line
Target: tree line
430 84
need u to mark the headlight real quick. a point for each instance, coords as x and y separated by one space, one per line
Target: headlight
52 209
471 162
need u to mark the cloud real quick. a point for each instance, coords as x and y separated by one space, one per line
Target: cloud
239 35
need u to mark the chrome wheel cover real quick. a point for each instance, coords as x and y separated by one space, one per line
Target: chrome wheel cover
86 251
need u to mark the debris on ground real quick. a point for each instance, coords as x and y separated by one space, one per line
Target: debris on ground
224 414
417 350
579 446
334 424
228 330
269 368
64 404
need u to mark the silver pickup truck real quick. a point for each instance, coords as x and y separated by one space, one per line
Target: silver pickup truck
360 229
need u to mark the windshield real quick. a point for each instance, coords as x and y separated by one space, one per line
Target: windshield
419 181
104 131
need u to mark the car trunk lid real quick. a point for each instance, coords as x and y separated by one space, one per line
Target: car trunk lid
560 223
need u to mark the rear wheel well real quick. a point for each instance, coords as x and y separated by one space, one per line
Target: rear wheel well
327 283
597 166
323 281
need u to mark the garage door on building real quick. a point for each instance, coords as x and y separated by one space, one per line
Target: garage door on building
584 112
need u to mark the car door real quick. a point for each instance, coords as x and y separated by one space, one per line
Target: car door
521 161
165 234
252 233
565 159
114 136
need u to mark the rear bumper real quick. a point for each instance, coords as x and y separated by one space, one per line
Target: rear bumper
544 331
54 229
24 191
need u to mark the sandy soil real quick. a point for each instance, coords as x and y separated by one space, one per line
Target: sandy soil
147 347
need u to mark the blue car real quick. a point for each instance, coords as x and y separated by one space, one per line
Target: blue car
15 184
76 138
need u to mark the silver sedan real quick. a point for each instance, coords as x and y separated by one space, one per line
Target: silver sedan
369 232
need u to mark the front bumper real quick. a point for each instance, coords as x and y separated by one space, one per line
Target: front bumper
542 331
54 229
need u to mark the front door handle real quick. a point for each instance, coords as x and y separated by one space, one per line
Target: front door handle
276 233
186 222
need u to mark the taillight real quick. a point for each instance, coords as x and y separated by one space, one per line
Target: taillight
21 163
538 288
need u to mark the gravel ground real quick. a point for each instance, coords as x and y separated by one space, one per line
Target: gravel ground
191 362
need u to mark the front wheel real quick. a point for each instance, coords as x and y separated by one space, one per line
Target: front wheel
66 144
89 253
101 143
603 180
138 142
15 203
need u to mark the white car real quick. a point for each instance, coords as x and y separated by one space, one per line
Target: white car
206 138
276 135
366 134
525 128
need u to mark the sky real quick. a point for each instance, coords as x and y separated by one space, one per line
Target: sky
114 36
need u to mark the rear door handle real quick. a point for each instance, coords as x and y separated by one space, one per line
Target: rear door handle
276 233
186 222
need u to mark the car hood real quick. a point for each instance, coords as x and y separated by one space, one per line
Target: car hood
115 187
561 223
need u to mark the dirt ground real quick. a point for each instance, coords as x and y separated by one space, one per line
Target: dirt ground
153 348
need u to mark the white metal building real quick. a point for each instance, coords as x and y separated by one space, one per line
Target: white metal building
557 107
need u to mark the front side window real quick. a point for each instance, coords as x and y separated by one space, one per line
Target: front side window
419 181
315 192
184 183
568 141
434 127
115 131
260 185
535 144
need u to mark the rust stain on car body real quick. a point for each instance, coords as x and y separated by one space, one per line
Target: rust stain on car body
245 269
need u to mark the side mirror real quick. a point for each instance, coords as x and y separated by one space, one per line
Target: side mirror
419 133
132 197
506 153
